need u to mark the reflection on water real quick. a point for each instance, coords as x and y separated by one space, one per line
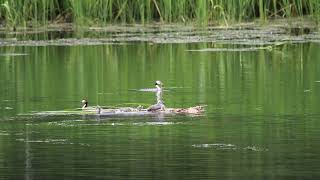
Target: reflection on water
261 119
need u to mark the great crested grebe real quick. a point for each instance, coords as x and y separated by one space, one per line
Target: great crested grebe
85 103
159 105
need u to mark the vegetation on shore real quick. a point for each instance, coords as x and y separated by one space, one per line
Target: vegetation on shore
42 12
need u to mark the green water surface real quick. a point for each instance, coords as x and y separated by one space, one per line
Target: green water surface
262 119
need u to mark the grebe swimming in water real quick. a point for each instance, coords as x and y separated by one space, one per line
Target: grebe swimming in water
159 105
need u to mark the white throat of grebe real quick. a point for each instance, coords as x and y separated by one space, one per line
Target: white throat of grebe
159 93
158 85
85 103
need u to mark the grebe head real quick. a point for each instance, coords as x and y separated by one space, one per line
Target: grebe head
159 83
85 103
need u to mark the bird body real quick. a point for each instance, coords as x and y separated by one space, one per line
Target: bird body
156 107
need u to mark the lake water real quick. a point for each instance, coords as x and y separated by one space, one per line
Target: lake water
262 118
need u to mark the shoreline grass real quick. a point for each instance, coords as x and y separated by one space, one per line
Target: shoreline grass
42 12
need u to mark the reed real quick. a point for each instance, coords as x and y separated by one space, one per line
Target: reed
42 12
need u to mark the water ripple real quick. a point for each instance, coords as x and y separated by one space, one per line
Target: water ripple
4 133
14 54
155 123
53 141
222 146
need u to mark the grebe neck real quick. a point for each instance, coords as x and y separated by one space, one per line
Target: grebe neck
158 88
85 105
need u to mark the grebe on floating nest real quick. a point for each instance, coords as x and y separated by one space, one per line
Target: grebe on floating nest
158 107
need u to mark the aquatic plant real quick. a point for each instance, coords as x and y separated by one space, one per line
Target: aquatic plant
41 12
